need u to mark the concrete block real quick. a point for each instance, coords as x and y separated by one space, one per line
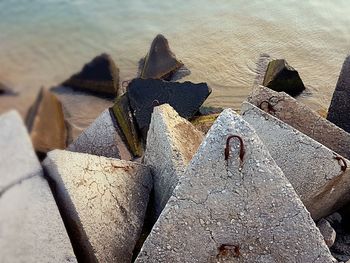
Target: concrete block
102 138
171 143
311 168
31 228
235 209
80 109
103 202
302 118
339 110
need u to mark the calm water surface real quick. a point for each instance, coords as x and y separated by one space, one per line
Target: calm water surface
42 42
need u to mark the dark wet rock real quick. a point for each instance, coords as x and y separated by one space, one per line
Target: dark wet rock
335 220
282 77
339 110
5 90
45 122
126 124
144 94
100 76
160 62
327 232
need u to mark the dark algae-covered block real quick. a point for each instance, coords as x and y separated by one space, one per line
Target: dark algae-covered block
282 77
145 94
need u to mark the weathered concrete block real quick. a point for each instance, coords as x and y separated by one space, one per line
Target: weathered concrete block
171 143
234 210
103 202
261 68
302 118
45 122
31 228
102 138
339 110
311 168
80 109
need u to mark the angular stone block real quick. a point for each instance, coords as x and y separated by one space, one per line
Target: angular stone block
80 109
103 202
280 76
171 143
145 94
261 68
102 138
302 118
122 112
311 168
45 122
160 62
242 209
339 110
31 228
100 76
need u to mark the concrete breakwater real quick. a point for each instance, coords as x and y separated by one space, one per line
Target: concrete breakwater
157 177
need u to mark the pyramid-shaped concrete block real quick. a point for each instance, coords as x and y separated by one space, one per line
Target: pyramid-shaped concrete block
102 138
171 143
302 118
313 170
339 110
234 205
103 202
31 228
45 122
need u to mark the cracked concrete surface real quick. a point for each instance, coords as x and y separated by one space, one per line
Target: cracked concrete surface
302 118
103 202
310 167
222 212
102 138
31 228
171 143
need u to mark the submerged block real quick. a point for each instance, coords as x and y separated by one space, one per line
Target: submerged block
31 228
160 62
100 76
145 94
302 118
240 208
102 138
282 77
311 168
339 110
171 143
103 202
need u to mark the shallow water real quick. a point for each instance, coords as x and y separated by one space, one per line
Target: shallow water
42 42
